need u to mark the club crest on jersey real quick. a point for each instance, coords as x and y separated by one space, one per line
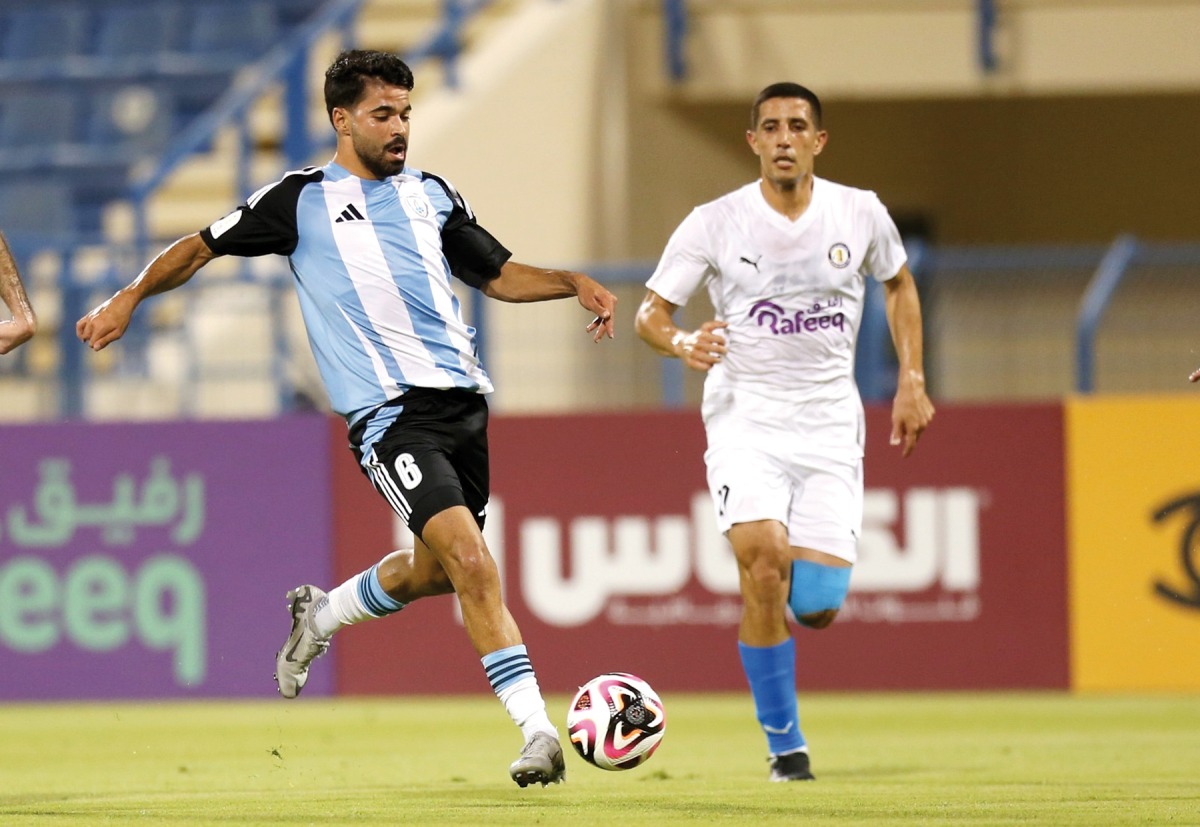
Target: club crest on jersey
839 255
416 205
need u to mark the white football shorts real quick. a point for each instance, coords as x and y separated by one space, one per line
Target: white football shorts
819 500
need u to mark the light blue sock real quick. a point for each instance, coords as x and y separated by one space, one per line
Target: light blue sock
359 598
512 678
504 667
771 671
372 596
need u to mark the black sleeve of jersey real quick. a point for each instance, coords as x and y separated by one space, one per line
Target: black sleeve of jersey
474 254
266 223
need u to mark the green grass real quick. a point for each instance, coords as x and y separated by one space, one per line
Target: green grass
880 759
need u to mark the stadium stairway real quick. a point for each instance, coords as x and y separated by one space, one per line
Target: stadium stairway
205 187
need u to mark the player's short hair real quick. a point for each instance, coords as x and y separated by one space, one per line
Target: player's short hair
786 90
346 77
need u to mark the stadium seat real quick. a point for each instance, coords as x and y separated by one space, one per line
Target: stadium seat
294 12
36 209
40 119
137 118
137 30
44 33
244 31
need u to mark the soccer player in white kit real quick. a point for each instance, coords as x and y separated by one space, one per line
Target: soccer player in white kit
785 260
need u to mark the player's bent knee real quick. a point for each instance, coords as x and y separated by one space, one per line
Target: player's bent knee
817 592
818 620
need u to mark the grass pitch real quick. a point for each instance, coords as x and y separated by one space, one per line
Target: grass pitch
879 759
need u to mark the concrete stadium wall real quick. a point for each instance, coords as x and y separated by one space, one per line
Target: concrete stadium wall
1083 131
574 144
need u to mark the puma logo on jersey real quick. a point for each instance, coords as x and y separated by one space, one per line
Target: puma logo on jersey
753 263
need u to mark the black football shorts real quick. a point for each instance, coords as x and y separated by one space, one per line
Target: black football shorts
433 457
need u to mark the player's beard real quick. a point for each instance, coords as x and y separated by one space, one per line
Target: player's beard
377 160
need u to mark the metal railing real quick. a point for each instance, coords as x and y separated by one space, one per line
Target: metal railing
287 62
1095 301
1013 323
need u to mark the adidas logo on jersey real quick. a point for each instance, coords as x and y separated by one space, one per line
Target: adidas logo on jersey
351 213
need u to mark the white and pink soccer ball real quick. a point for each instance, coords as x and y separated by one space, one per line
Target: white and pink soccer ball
616 721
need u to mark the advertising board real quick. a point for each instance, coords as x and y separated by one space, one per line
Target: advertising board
603 531
151 560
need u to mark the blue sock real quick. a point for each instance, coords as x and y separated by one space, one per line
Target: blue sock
771 671
504 667
511 676
372 596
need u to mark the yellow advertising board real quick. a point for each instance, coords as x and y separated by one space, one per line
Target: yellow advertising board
1133 534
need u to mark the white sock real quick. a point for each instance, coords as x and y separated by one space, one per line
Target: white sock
524 703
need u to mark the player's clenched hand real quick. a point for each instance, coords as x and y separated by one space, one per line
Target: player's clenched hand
1195 377
703 347
13 333
911 414
106 323
601 302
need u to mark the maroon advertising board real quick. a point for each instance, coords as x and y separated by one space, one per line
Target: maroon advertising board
152 560
610 559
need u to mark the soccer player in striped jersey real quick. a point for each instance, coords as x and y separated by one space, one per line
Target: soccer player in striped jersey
23 324
373 244
785 260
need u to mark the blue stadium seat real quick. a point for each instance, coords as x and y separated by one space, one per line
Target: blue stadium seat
136 30
137 118
243 30
38 209
40 119
45 32
294 12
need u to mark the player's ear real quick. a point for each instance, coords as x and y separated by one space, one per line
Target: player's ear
752 139
822 139
341 120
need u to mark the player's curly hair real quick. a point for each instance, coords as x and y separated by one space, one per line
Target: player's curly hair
346 76
786 90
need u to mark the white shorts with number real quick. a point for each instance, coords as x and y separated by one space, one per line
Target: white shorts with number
819 500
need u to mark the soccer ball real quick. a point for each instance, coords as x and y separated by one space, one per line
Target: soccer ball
616 721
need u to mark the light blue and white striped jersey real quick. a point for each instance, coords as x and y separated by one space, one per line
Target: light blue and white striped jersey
372 262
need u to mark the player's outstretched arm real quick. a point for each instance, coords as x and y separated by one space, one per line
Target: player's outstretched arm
699 349
23 324
170 269
911 410
523 283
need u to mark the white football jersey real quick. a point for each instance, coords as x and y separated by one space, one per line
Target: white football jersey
791 293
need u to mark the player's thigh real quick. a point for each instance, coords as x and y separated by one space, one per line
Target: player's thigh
472 462
453 538
825 515
747 485
417 479
434 457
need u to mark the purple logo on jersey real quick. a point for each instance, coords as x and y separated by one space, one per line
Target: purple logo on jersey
784 323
